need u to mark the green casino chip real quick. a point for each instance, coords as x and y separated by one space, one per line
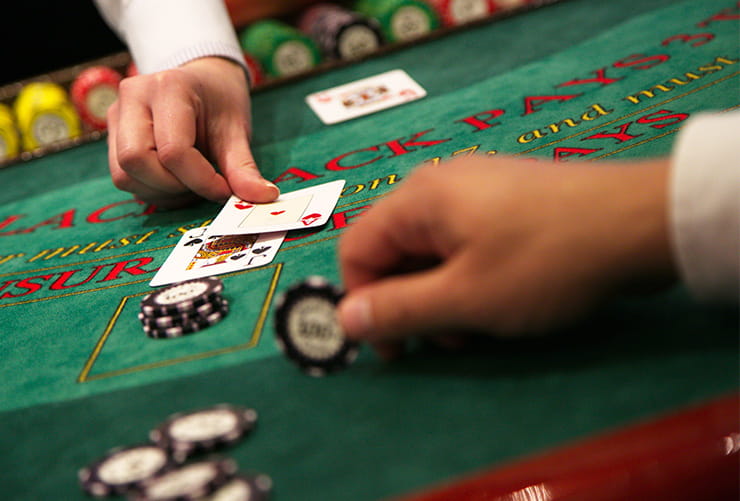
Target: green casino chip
401 20
281 49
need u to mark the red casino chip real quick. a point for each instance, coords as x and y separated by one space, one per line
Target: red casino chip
93 91
456 12
254 68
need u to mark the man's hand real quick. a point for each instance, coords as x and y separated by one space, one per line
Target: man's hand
502 246
166 128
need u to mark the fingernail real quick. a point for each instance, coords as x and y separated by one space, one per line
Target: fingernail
270 184
355 317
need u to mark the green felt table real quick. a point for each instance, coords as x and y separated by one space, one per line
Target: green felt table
79 376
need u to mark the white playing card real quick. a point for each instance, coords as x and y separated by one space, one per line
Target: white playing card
198 255
304 208
365 96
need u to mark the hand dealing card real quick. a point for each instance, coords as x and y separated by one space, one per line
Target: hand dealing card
304 208
365 96
197 255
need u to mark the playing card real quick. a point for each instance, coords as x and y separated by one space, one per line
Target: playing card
365 96
304 208
198 255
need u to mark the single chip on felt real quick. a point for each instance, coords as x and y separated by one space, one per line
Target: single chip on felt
123 469
307 330
204 430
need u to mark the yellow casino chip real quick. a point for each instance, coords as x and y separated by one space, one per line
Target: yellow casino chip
9 139
45 115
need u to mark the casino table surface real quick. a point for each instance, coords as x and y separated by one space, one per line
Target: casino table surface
80 377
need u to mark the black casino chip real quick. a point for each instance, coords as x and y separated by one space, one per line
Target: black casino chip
188 327
244 487
204 430
192 481
307 330
341 33
199 312
124 469
180 326
182 298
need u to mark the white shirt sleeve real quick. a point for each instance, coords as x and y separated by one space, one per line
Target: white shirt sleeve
163 34
705 206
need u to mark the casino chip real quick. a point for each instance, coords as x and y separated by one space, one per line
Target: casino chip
339 32
124 469
455 12
201 312
93 91
281 49
183 308
255 71
244 487
185 434
189 482
45 115
307 330
182 297
9 138
401 20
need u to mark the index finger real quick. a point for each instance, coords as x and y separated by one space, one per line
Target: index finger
175 132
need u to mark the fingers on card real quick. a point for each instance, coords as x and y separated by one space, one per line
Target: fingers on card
300 209
198 255
365 96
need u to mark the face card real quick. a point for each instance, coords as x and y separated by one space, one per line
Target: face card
198 255
365 96
304 208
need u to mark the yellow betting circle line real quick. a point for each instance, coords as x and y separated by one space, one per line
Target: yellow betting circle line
84 375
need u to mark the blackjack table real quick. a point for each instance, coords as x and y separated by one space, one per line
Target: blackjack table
571 81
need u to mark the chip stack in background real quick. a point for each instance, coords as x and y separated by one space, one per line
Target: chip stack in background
401 20
93 91
339 32
457 12
281 49
45 115
183 308
9 138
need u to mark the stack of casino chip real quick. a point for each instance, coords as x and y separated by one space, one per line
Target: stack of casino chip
93 91
174 465
456 12
340 32
9 138
183 308
45 115
401 20
281 49
307 330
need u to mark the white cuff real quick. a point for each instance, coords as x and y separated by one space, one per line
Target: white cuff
163 34
705 206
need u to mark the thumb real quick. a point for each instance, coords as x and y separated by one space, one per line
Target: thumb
399 306
237 165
